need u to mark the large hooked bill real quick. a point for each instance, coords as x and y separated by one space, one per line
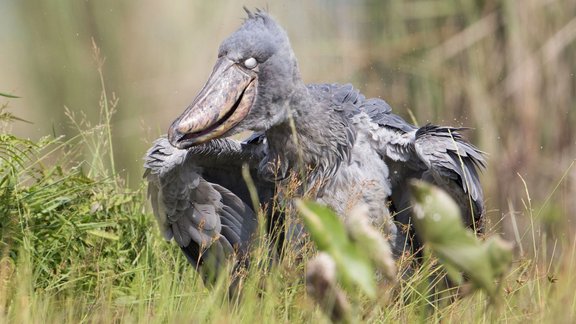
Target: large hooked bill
224 101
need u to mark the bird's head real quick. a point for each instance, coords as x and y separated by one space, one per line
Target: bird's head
249 88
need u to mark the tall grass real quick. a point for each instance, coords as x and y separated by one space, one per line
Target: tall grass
78 246
504 68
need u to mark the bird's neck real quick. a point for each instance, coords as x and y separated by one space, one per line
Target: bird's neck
314 139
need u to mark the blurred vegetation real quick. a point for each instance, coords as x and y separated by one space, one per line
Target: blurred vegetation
438 222
77 230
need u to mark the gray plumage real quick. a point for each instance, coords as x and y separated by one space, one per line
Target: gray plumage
198 201
353 150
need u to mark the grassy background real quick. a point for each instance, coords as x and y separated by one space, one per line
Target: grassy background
505 68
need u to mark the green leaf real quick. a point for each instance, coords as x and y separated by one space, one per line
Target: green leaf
8 95
438 222
371 241
499 253
57 202
103 234
329 233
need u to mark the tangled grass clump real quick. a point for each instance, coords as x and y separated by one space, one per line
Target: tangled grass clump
75 230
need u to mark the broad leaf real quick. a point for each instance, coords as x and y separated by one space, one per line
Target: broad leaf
329 233
439 224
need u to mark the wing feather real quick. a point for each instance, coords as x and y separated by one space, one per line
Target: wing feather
433 153
208 220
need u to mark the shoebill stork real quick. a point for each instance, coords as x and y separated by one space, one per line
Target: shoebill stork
352 150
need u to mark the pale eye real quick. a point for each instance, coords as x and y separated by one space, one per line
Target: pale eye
250 63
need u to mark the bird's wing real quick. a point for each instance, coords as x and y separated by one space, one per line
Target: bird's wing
199 198
351 102
437 154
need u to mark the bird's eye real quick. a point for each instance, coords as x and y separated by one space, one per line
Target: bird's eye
250 63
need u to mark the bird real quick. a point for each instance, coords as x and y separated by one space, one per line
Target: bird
345 148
